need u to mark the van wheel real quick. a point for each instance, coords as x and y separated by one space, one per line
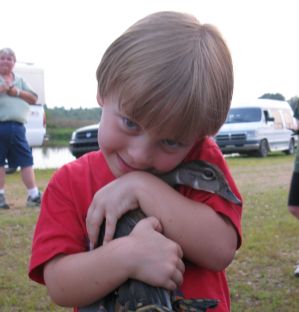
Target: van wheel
263 149
291 149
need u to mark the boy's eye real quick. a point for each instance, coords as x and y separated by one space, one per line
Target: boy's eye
130 124
170 143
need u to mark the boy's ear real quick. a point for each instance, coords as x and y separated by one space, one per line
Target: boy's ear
99 100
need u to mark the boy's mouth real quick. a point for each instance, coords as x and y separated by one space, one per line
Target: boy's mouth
125 167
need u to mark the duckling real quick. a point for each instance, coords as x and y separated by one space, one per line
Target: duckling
135 295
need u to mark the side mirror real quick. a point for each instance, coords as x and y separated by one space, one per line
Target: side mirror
268 118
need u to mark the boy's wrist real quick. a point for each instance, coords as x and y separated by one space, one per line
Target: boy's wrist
145 186
124 249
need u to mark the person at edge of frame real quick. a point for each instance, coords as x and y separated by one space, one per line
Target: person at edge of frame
293 199
15 98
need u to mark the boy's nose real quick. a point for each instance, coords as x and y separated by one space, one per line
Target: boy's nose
141 154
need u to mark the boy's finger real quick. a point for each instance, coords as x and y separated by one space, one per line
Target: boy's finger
109 229
181 266
180 251
178 278
154 223
89 232
93 221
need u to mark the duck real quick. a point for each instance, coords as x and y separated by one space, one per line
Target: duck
138 296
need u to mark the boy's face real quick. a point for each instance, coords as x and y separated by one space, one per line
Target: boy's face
127 146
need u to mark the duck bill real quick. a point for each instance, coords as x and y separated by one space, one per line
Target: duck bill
228 194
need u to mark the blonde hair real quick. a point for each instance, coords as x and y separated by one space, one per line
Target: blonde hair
8 51
168 70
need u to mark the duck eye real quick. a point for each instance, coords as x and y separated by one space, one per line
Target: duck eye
208 174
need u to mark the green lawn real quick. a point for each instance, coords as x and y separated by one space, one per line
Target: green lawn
17 292
261 276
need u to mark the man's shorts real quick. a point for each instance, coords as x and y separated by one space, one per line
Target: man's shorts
14 146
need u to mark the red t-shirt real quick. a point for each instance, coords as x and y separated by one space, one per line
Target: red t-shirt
61 225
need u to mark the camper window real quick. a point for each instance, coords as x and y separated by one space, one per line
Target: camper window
278 124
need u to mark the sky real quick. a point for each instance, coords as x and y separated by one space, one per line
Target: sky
67 38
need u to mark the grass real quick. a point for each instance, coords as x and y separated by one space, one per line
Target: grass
260 278
17 292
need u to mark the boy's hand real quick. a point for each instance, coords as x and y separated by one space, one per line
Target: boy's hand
156 260
110 203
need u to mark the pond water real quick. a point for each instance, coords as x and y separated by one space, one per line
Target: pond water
55 157
51 157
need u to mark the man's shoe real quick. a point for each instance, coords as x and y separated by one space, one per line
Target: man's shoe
3 204
296 272
35 201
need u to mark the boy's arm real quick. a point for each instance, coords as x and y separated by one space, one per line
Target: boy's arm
146 255
207 238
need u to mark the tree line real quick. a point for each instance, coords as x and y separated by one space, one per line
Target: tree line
60 117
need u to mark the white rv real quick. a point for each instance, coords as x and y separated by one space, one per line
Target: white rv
258 127
36 124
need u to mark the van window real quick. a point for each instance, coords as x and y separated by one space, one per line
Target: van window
251 114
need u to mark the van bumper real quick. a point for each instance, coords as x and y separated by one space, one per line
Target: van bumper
239 147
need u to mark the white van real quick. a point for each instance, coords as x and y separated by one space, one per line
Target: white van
258 127
36 123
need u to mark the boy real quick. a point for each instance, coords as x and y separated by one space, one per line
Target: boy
164 86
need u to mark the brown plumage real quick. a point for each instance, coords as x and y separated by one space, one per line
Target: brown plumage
135 295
